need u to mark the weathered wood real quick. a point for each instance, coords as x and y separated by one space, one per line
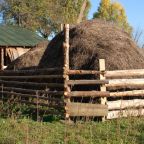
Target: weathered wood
133 93
88 94
61 27
125 104
59 105
124 73
87 82
103 87
1 58
31 91
32 77
66 66
125 83
84 72
58 85
28 95
125 113
83 109
45 70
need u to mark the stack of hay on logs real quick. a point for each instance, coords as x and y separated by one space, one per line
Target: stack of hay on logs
89 42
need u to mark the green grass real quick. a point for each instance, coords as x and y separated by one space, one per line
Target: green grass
26 131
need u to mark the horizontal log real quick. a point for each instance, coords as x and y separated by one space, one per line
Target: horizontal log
124 73
125 113
28 96
83 109
58 105
125 104
125 83
30 71
58 85
84 72
32 77
133 93
87 94
31 91
87 82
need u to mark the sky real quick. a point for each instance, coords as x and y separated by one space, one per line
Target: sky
134 10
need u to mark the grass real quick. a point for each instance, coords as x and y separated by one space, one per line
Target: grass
27 131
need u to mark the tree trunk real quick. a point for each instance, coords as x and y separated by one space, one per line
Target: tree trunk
81 14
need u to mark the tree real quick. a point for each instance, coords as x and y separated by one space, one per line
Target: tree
113 11
44 16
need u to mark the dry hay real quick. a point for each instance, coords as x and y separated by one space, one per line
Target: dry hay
89 42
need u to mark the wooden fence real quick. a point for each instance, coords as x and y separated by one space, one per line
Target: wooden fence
88 93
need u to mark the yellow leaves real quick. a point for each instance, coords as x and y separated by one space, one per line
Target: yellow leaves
113 11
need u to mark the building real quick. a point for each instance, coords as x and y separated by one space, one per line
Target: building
15 41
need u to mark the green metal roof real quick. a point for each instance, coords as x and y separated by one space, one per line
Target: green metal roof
18 36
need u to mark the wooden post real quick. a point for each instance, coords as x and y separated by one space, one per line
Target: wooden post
103 87
62 27
1 58
66 69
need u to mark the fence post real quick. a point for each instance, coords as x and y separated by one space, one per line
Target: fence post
103 87
1 58
61 27
66 68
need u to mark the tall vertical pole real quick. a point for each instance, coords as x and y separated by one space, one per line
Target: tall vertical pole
66 69
103 87
1 58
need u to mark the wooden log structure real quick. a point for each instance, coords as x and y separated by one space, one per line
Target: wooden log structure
125 83
124 73
58 85
29 96
66 68
125 113
133 93
1 58
85 72
88 94
32 77
59 105
86 109
125 104
102 87
30 71
31 91
87 82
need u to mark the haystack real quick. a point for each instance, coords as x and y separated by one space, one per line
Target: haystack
89 42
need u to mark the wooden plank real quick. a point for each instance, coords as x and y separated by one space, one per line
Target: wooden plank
125 83
28 95
103 87
44 70
124 73
125 104
133 93
31 91
84 72
125 113
87 82
32 77
58 85
88 94
83 109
